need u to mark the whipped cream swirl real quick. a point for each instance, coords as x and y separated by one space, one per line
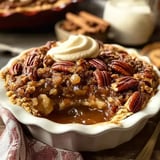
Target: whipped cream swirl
76 47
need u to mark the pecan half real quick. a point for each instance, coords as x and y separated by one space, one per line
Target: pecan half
102 77
16 69
106 53
98 64
64 66
135 101
33 60
122 67
31 72
125 83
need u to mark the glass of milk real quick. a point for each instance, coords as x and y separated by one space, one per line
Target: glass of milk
132 21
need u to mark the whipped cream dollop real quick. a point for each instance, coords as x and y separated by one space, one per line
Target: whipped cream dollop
75 47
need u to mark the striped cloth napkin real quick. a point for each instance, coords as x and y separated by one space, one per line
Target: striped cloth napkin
16 145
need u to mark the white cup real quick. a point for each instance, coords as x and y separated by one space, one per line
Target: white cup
132 22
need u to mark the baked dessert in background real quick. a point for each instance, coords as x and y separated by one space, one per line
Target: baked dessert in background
82 23
33 14
80 80
152 50
30 5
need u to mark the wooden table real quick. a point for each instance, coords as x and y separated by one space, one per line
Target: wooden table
129 150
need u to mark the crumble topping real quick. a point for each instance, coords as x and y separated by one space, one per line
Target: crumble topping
109 87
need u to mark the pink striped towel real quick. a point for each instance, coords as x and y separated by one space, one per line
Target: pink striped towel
16 145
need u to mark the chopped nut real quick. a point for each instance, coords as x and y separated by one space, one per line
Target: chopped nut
53 91
65 103
45 104
75 79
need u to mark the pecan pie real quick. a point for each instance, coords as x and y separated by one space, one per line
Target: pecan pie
33 14
28 5
109 86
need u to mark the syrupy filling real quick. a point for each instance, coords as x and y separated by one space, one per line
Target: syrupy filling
80 114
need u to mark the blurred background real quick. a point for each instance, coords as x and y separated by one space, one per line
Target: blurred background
20 31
